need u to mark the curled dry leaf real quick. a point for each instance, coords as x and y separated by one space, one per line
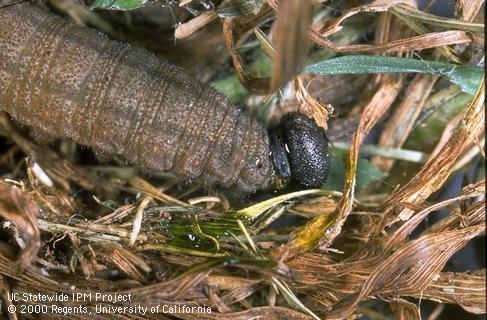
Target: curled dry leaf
311 106
18 208
404 310
236 30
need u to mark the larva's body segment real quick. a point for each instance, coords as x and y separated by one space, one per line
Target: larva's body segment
74 82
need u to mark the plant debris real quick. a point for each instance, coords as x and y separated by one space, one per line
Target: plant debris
105 241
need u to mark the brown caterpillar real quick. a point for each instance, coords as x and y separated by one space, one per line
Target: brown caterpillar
71 81
74 82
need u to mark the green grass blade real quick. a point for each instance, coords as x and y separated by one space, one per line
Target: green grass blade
122 5
408 12
467 78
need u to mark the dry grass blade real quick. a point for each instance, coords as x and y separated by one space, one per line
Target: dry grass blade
116 215
125 261
407 269
255 210
446 135
401 123
407 228
466 289
374 6
256 313
319 33
467 10
290 40
142 185
138 219
420 259
422 42
187 29
437 170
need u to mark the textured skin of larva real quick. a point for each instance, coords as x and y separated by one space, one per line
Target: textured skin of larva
74 82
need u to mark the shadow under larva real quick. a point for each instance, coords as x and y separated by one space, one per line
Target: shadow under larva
74 82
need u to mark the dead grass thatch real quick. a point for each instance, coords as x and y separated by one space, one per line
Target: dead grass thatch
99 233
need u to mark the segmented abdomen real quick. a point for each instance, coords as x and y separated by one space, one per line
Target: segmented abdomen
74 82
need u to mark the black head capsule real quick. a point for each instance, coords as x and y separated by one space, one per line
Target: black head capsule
299 150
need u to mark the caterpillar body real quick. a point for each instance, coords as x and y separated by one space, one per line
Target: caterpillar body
71 81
